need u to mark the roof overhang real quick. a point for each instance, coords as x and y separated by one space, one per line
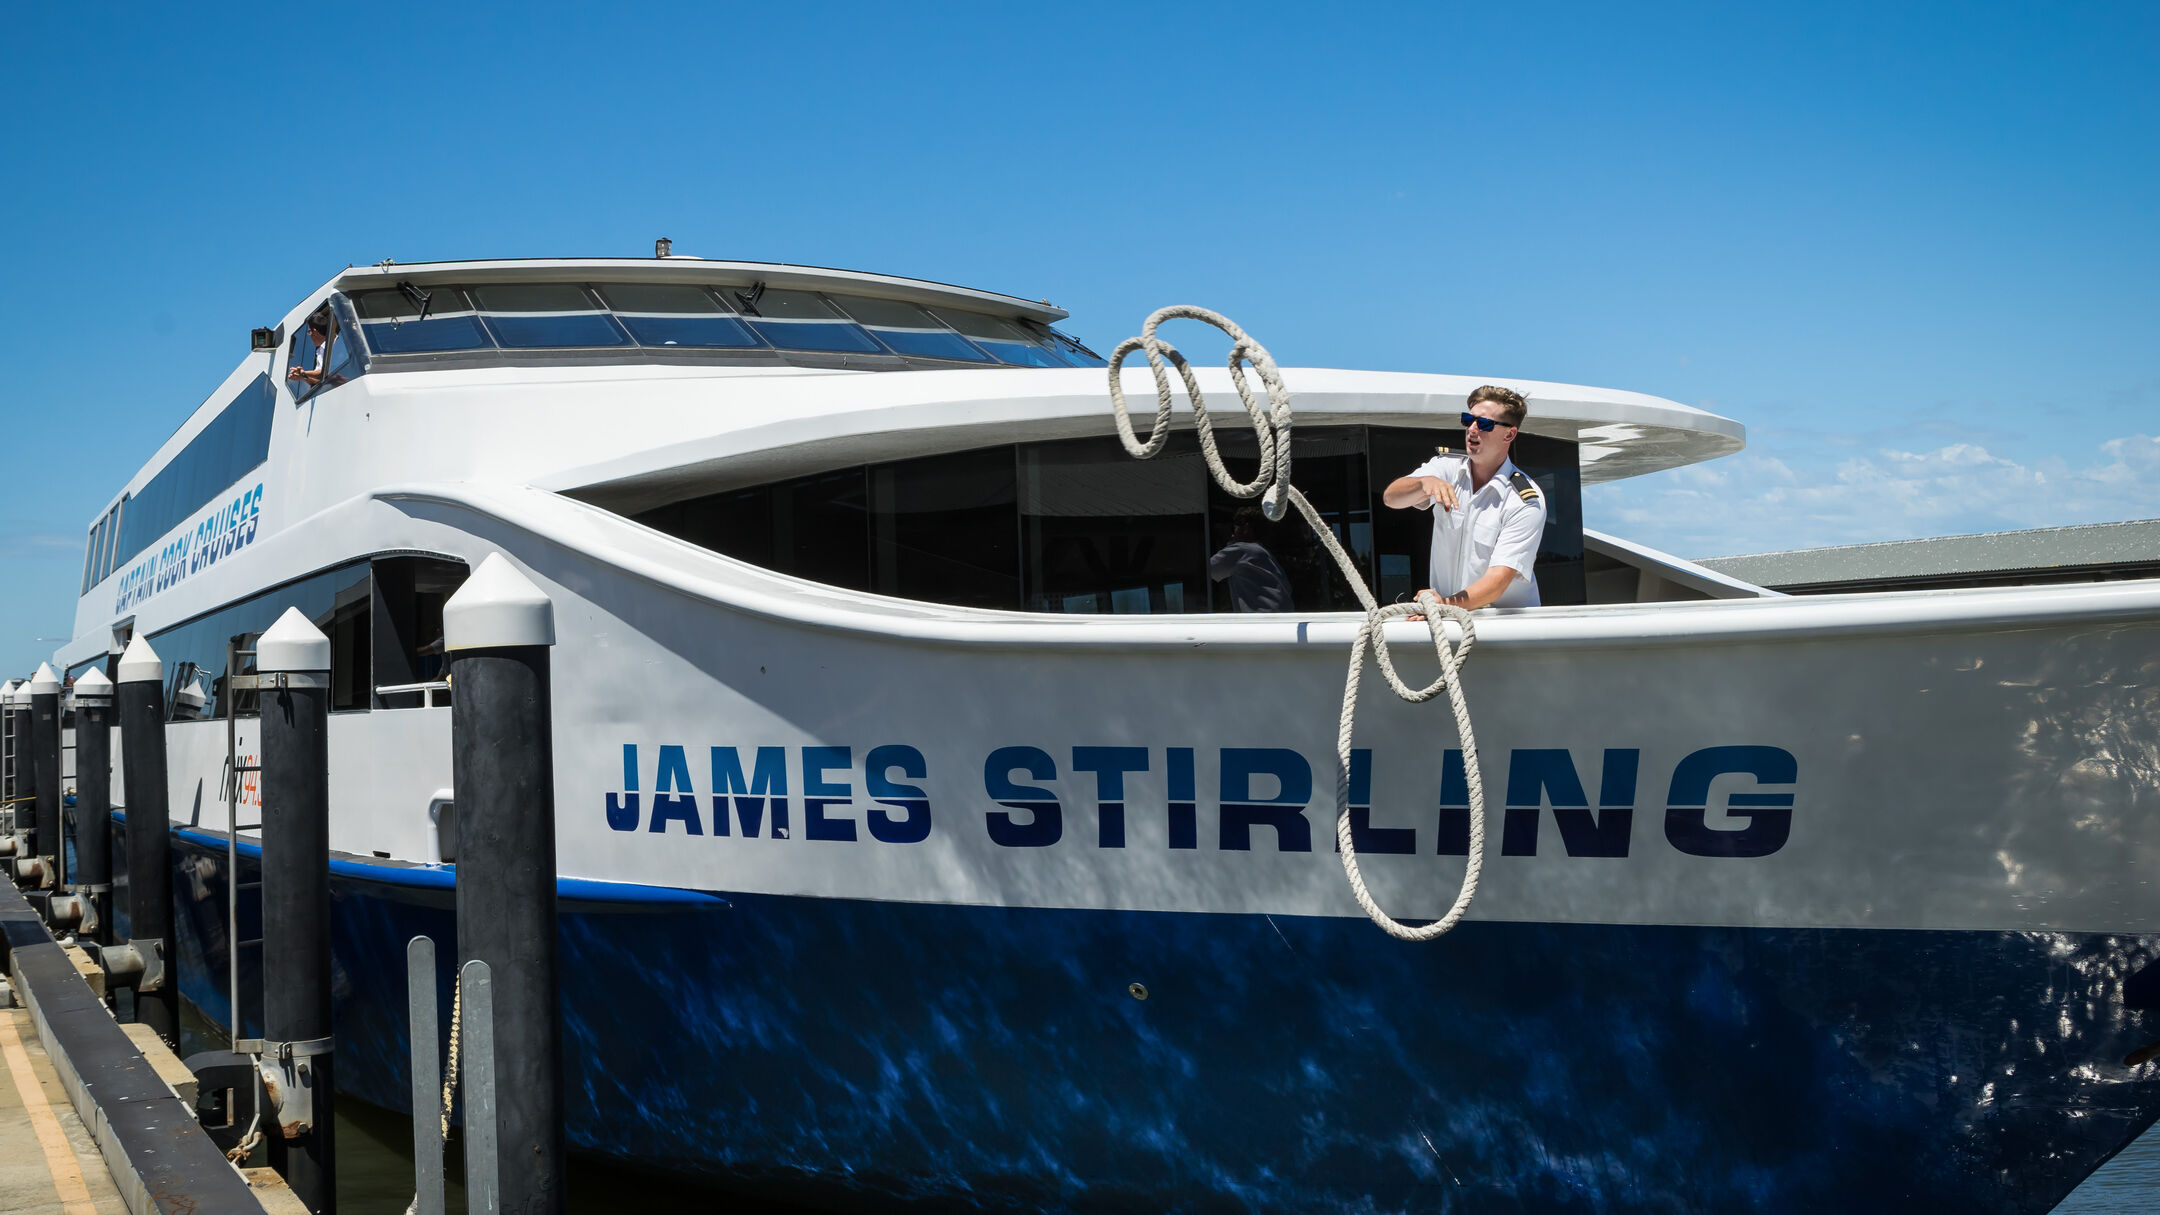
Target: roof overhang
780 275
780 427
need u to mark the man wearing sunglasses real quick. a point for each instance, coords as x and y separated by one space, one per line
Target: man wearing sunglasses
1491 516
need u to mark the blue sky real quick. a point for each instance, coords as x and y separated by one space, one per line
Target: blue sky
1913 248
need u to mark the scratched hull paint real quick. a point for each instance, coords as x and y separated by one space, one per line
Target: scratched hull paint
853 1053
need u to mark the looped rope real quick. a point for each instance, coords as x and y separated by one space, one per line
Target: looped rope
1272 485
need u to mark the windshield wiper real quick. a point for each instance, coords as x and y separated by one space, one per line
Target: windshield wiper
417 296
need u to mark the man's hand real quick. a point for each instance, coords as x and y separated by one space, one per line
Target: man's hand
1480 593
1405 492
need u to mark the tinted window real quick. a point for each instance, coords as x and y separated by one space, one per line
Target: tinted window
1328 465
195 652
1004 339
1070 347
90 555
943 528
1103 532
910 330
392 323
799 320
232 444
1079 526
661 314
528 316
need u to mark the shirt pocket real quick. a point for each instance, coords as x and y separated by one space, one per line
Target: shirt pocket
1485 534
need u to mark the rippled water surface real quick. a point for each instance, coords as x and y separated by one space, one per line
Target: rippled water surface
2129 1183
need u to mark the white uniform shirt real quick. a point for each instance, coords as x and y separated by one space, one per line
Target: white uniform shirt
1493 526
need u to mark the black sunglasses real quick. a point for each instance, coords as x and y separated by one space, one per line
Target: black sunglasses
1485 424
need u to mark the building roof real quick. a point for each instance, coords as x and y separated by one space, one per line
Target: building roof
2098 547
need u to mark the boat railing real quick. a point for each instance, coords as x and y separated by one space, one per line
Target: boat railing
425 688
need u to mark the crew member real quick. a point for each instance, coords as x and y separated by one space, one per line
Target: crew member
1491 516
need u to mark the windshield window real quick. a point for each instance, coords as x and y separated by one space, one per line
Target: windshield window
910 330
410 319
527 316
800 320
666 314
392 324
1004 339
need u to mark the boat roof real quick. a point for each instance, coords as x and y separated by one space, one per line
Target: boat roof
678 268
790 426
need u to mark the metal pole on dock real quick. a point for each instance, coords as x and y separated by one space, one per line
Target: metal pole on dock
93 805
10 747
141 697
498 629
293 661
45 773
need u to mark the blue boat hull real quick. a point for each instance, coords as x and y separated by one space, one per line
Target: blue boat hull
852 1054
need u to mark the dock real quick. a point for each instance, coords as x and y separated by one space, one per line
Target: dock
96 1116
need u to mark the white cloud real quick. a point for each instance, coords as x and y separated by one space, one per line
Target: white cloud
1750 503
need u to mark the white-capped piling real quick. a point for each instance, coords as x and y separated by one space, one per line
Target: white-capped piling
141 705
498 629
93 698
292 659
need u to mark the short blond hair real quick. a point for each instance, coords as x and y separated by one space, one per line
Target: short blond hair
1513 405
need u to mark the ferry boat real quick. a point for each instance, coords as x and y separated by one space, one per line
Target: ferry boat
934 829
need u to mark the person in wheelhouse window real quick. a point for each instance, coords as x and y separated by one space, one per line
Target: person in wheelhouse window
319 333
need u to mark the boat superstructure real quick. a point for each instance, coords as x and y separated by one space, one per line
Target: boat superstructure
906 737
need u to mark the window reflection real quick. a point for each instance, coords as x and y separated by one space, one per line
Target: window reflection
1252 577
1004 339
802 320
668 314
1328 465
941 528
413 320
1080 526
232 444
538 316
1103 532
908 329
195 652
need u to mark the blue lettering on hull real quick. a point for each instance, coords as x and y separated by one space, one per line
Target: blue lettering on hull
1266 799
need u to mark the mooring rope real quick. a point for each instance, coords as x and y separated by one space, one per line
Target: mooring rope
1272 486
449 1084
450 1074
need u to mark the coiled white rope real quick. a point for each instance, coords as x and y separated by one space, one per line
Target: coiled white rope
1271 427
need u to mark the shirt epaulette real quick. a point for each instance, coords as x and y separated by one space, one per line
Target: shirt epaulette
1523 485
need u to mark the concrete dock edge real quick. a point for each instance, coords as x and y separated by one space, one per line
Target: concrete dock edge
159 1158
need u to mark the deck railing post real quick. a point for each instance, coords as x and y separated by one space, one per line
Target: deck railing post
293 663
93 695
141 705
498 629
45 843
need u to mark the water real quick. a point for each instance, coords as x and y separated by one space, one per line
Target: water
375 1167
2129 1183
375 1161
